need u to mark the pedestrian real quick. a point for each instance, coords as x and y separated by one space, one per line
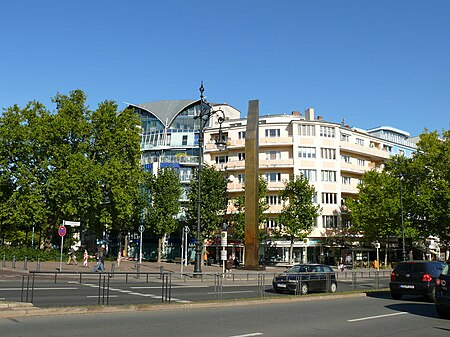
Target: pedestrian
229 264
100 257
72 257
236 262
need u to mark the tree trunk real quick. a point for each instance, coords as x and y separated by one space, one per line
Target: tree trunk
160 247
291 251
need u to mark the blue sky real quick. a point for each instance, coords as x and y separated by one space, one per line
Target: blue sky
371 63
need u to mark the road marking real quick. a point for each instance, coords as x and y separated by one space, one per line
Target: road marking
96 296
173 287
15 289
375 317
233 292
249 334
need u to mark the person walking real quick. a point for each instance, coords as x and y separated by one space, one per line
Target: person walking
100 257
72 257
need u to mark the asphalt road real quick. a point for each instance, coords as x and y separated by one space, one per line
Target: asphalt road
67 290
362 316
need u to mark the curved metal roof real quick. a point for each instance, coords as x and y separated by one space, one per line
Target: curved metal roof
165 111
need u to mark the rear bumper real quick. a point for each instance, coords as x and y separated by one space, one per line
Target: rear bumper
406 288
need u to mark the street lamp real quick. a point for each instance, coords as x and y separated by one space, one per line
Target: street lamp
205 114
403 224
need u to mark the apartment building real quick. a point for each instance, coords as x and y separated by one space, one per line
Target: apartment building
332 156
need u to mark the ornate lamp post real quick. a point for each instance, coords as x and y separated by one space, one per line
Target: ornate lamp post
206 112
403 223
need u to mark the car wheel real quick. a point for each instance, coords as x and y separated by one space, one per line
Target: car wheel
333 287
304 289
396 296
431 297
442 313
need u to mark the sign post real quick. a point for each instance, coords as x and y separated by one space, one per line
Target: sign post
184 247
62 232
223 243
141 230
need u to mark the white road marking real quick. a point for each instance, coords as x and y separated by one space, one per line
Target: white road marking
173 287
375 317
15 289
95 296
249 334
234 292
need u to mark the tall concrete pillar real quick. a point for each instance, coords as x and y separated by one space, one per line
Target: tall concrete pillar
252 186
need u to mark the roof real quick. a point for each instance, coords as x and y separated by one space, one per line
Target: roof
165 111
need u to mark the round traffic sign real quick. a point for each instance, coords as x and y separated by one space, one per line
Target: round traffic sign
141 228
62 231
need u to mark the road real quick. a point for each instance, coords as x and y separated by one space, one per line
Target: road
362 316
67 290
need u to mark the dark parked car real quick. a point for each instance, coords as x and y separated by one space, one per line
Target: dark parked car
415 278
304 278
442 299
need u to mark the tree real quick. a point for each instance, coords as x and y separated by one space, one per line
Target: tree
73 164
376 213
238 218
214 200
299 213
164 192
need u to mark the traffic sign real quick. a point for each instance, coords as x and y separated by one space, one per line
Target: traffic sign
62 231
141 228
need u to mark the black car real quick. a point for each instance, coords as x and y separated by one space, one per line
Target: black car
303 278
442 299
415 278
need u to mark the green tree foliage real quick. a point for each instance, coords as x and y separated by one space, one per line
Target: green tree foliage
237 219
73 164
164 192
299 213
427 181
214 200
377 212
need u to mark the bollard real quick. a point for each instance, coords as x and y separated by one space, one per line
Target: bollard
138 270
38 265
4 261
25 262
161 271
14 262
113 267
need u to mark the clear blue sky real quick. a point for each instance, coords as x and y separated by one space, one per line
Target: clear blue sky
372 63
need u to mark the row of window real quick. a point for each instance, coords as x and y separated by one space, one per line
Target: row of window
328 221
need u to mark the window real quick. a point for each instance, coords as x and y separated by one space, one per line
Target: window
272 223
273 155
311 175
346 180
346 159
241 135
329 221
346 223
329 176
327 131
221 159
329 198
360 141
241 178
361 162
307 152
273 133
345 137
273 177
328 153
185 140
241 156
307 130
273 200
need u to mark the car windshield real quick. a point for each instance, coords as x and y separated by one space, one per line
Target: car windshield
299 269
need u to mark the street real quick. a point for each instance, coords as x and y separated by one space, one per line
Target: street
94 289
361 316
